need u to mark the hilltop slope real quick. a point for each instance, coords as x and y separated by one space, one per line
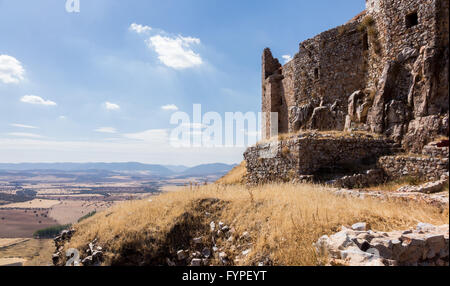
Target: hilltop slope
272 225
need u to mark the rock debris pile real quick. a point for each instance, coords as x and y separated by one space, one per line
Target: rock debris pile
427 245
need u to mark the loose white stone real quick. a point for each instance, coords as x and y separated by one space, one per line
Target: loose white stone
360 226
196 262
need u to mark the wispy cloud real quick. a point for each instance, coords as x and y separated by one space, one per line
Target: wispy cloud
11 70
37 100
153 135
139 28
110 130
287 58
111 106
169 107
62 117
23 126
23 134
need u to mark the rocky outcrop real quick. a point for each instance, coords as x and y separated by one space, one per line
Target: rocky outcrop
327 117
60 241
427 245
421 131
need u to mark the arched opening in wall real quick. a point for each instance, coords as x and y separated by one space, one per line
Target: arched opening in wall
365 42
316 73
412 19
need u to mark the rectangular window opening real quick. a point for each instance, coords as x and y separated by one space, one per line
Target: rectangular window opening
365 41
412 20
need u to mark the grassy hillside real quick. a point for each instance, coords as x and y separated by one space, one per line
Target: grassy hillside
283 221
235 176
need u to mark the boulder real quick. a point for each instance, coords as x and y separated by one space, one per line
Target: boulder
421 131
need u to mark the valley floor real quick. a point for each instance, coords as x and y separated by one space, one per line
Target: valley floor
26 252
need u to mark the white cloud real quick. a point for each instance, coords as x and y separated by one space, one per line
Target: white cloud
23 134
33 99
287 58
11 70
153 135
139 28
169 107
176 52
110 130
62 117
23 126
111 106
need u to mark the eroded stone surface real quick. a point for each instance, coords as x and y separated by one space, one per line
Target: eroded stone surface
426 245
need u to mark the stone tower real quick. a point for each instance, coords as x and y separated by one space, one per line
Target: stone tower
385 71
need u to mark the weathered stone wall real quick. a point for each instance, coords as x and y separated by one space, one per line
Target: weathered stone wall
395 54
428 168
326 70
269 163
302 156
432 165
437 149
271 89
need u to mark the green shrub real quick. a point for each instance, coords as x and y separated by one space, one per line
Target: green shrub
87 216
51 232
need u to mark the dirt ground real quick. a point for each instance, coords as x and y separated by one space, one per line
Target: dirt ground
71 211
34 204
30 252
6 242
23 223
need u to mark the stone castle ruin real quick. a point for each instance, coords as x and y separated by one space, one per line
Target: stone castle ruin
384 73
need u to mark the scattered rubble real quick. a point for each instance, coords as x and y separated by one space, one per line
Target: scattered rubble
428 188
92 256
222 247
370 177
427 245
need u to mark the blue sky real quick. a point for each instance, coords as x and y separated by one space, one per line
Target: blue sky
91 86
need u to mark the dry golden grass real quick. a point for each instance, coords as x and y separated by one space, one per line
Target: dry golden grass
283 220
441 138
235 176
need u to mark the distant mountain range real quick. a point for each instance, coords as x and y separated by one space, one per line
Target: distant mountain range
160 170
